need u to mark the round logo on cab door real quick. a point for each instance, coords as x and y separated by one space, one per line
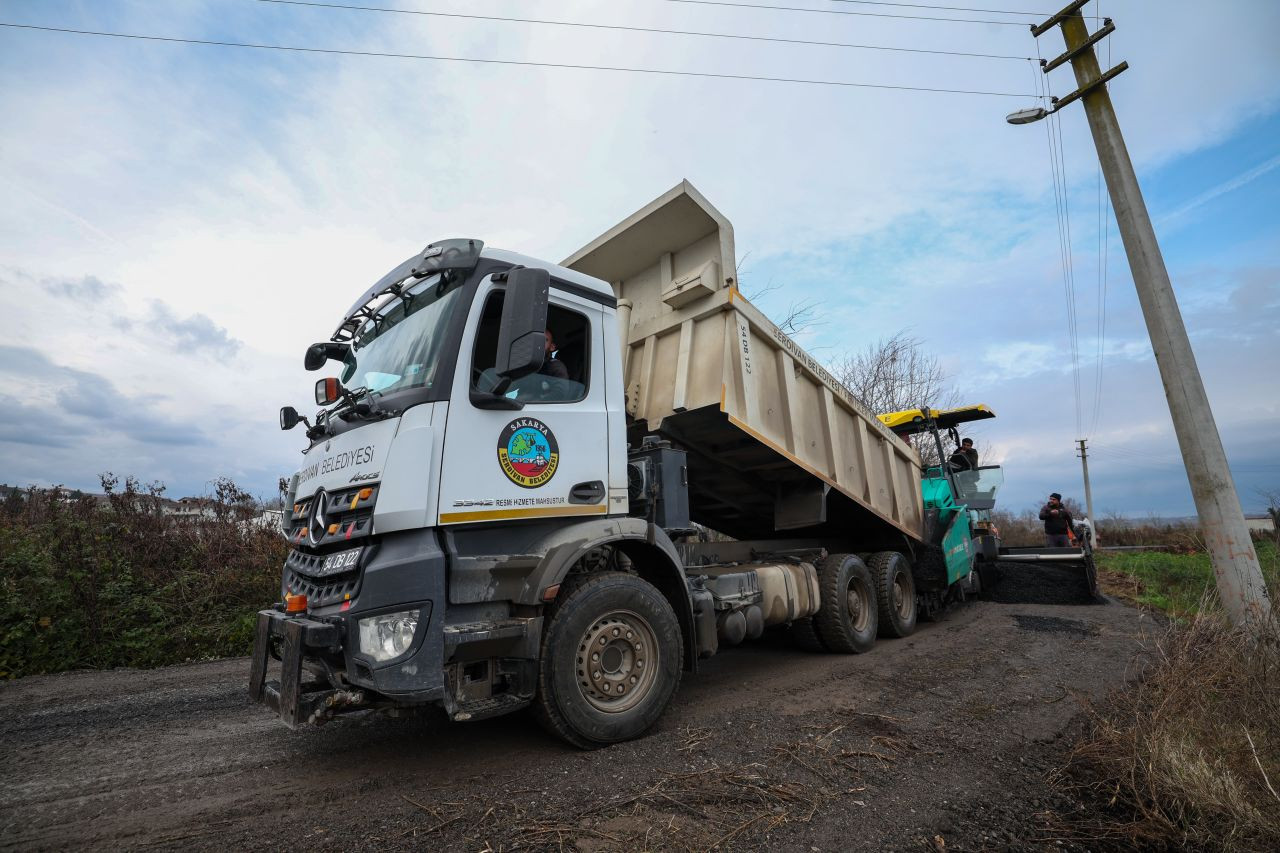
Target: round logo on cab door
528 452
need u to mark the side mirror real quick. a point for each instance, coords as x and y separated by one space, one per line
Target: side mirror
327 391
289 418
521 338
318 354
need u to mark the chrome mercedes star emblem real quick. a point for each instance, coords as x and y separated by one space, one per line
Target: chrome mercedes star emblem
318 525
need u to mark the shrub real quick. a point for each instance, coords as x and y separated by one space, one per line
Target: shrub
1026 529
86 582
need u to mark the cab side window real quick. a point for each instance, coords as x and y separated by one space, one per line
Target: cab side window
566 369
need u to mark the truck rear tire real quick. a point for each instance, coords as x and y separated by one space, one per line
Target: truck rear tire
805 634
848 618
896 593
610 660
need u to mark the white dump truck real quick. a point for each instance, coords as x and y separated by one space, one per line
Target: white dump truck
508 491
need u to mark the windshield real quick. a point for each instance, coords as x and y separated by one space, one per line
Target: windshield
401 347
979 485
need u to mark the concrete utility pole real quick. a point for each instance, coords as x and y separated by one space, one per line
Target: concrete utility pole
1235 563
1088 492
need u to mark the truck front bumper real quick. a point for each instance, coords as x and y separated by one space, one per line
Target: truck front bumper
295 698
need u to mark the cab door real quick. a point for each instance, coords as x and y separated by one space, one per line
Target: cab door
549 457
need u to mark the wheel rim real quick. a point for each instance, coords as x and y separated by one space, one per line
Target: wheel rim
617 661
902 596
858 601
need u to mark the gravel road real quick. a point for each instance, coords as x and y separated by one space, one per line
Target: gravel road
943 738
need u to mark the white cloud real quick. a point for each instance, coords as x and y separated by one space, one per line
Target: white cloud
1018 359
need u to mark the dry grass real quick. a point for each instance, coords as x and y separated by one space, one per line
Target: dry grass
1188 758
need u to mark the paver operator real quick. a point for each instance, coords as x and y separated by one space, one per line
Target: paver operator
964 457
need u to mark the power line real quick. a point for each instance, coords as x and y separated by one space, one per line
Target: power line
1104 225
1175 461
1144 455
943 8
843 12
1057 169
516 62
626 28
1072 316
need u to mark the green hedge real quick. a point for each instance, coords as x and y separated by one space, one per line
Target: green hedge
100 584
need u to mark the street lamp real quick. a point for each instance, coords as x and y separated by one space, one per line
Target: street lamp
1026 116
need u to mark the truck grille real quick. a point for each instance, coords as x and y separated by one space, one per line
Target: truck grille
320 591
345 515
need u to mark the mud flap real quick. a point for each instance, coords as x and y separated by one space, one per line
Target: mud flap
294 699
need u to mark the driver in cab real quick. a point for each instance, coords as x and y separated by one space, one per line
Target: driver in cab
552 366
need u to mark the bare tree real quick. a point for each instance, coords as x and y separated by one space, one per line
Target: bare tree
895 374
800 315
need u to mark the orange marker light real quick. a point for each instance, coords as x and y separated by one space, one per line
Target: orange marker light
295 603
365 493
333 528
550 593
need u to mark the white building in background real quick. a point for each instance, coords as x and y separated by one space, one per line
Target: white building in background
190 509
270 519
1260 523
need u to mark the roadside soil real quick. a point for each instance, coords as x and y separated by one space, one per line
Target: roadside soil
940 741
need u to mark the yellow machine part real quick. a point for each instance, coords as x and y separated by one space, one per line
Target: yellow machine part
912 420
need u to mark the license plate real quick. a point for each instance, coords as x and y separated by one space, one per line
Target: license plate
339 562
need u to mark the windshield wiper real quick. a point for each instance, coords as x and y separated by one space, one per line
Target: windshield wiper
362 405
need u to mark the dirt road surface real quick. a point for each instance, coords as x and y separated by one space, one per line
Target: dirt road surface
944 738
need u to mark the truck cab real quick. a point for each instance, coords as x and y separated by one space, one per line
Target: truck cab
445 459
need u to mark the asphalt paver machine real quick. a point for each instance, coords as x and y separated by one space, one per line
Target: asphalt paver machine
975 486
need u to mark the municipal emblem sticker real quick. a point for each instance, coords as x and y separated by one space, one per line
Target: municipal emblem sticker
528 452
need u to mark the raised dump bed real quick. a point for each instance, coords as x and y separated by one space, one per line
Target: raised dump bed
776 446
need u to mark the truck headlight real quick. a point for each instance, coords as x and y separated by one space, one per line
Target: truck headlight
389 635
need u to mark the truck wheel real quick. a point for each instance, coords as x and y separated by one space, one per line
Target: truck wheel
805 633
847 620
610 660
896 592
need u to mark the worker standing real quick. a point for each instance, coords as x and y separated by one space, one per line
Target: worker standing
1057 522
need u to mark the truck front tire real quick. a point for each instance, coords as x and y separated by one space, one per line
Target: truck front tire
611 660
849 616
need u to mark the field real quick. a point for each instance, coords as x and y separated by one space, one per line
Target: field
1175 583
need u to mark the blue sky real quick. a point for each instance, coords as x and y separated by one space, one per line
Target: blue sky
180 221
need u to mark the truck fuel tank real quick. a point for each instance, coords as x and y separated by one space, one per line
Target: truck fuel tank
782 592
